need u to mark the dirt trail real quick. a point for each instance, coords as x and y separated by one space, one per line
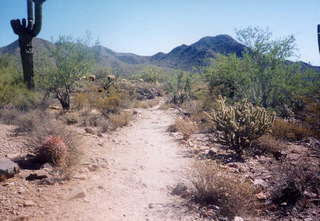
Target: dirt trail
144 163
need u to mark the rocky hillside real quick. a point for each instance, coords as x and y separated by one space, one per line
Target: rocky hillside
183 57
198 54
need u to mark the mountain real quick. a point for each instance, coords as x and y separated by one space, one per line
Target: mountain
183 57
198 54
40 47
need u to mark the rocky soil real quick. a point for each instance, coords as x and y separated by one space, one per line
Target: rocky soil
138 173
131 174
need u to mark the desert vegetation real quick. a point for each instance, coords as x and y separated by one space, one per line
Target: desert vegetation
254 106
256 112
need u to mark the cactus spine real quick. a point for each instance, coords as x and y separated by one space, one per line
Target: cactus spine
27 30
240 124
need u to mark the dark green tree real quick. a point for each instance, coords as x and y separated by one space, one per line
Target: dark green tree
27 30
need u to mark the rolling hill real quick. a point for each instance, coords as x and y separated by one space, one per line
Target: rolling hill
183 57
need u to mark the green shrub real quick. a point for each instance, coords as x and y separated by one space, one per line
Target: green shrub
240 124
12 90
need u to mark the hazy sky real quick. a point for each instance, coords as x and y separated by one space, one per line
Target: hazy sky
146 27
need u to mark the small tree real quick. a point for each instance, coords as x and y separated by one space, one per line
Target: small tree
72 61
270 73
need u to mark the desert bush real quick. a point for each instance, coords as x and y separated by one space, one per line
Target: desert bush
186 127
9 114
240 124
261 73
214 185
91 119
26 122
13 92
312 118
109 104
81 101
296 185
292 131
120 120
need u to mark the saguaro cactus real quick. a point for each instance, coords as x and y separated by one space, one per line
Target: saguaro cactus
319 37
27 30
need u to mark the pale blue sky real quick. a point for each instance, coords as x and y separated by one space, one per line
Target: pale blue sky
146 27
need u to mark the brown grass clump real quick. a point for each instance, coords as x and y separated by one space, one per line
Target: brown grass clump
214 185
287 130
120 120
165 106
186 127
269 145
313 117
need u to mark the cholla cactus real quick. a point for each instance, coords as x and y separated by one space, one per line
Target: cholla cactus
241 123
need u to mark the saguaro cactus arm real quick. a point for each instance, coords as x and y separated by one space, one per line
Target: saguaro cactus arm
319 37
38 17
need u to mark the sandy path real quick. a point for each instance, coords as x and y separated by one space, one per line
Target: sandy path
144 162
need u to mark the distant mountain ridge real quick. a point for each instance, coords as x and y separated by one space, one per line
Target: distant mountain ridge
183 57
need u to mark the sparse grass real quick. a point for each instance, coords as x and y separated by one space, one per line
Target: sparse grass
120 120
186 127
146 103
269 145
214 185
291 131
165 106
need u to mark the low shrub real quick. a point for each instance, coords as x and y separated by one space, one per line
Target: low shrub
186 127
120 120
9 114
214 185
109 104
26 122
291 131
